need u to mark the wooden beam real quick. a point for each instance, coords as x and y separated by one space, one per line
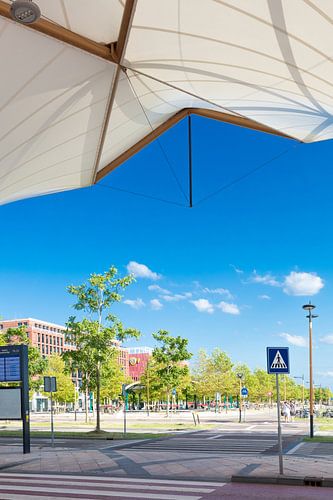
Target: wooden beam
237 120
142 143
63 34
119 46
173 120
119 51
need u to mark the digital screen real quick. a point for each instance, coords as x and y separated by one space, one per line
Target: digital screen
10 369
2 369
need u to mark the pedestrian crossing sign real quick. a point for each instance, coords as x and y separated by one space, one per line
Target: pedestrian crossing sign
277 359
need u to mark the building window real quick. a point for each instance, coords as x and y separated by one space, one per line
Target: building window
25 323
1 327
50 349
47 349
38 337
42 337
43 349
19 323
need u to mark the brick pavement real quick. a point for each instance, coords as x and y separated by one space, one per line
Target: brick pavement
103 459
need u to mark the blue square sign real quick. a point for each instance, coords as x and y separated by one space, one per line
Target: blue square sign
277 359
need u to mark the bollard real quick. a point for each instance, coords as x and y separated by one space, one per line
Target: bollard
193 415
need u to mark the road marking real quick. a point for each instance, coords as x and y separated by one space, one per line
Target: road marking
249 428
65 484
216 437
24 490
63 487
295 448
109 479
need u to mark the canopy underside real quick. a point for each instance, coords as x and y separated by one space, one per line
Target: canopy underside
91 83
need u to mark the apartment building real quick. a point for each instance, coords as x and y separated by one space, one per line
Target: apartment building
50 338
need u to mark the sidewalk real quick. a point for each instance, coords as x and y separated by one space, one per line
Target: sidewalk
103 458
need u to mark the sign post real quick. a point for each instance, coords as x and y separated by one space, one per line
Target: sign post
50 385
14 400
244 393
125 395
278 362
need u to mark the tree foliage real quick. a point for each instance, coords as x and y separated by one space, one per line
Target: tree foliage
96 335
65 386
169 358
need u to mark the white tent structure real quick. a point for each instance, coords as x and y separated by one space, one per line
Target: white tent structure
93 81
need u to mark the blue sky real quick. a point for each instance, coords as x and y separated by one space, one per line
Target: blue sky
233 271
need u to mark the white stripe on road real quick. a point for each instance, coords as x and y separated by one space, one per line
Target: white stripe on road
215 437
110 479
294 449
249 428
69 491
51 483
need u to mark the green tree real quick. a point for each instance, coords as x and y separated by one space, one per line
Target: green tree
37 364
95 336
170 358
65 386
112 378
202 383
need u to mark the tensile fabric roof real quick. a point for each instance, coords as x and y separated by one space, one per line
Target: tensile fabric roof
92 82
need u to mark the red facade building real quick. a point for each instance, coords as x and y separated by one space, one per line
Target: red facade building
138 359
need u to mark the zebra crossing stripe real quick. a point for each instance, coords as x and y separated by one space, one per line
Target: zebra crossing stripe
41 486
107 479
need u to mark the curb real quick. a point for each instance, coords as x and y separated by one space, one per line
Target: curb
312 481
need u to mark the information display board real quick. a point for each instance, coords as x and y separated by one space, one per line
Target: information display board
10 365
10 408
14 398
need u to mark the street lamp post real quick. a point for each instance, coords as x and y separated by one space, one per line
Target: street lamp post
309 307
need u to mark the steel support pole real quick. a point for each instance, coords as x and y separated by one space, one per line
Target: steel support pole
52 427
190 177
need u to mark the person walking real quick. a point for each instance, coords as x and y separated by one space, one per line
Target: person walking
286 411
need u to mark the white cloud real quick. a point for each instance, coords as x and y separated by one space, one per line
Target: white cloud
157 288
295 339
229 308
203 305
264 279
236 269
135 304
326 374
327 339
302 284
219 291
156 305
176 297
142 271
264 297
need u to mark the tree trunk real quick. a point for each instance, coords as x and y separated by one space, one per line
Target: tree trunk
168 404
86 404
98 400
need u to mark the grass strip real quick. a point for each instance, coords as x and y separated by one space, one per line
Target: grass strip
86 435
319 439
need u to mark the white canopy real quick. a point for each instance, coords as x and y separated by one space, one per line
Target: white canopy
94 81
